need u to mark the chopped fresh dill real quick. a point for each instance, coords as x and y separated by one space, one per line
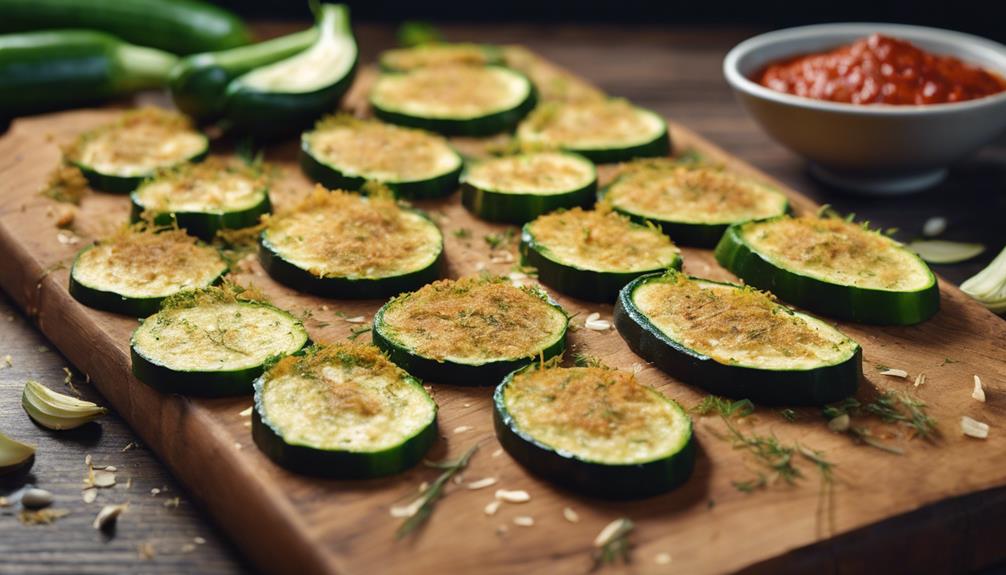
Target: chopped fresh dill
357 331
581 359
501 239
723 407
462 233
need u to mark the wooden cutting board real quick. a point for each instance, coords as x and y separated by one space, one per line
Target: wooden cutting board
939 507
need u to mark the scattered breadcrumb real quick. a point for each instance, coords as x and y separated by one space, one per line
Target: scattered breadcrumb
462 428
894 372
920 379
523 520
979 392
238 446
154 491
108 515
570 515
198 540
247 412
492 507
357 319
146 550
173 502
41 516
513 496
89 494
497 453
662 558
482 483
974 428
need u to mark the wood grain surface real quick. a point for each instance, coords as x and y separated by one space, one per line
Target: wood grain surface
285 522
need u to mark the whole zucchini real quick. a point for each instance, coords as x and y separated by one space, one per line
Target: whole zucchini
178 26
199 82
42 71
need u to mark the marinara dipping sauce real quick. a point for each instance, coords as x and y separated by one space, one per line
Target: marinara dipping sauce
881 70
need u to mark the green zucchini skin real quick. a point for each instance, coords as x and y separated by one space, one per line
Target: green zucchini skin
449 372
124 184
42 71
863 305
502 121
582 284
115 303
521 208
204 225
659 146
199 82
337 464
765 386
329 176
606 481
178 26
267 115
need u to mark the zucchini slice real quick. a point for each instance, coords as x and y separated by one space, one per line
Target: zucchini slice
594 430
344 245
454 100
204 198
288 95
693 203
342 410
470 331
517 189
118 156
440 54
833 267
591 255
135 269
211 342
603 130
343 152
736 341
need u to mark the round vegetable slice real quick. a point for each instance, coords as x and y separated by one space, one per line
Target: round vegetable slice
342 244
470 331
118 156
833 267
288 95
342 410
211 342
517 189
454 100
132 271
693 203
736 341
591 255
345 152
440 54
205 198
638 445
603 130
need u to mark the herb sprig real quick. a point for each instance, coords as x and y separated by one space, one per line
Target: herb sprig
428 498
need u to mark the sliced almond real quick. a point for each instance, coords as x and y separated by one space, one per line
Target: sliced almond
247 412
570 515
492 507
974 428
108 515
514 496
979 392
920 379
616 528
482 483
894 372
462 428
523 520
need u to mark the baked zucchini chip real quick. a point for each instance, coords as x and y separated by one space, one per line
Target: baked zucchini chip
517 189
693 203
343 152
603 130
212 342
833 267
204 198
471 331
344 245
344 411
440 54
591 255
736 341
118 156
454 100
132 271
594 430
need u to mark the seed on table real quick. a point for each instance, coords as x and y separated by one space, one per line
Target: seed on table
36 498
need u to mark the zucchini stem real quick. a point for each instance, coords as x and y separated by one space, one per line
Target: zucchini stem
143 68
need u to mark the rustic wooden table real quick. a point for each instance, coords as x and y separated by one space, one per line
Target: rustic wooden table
675 72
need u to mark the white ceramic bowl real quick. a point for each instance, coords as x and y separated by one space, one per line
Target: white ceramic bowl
874 149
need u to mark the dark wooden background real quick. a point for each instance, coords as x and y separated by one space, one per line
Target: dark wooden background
671 70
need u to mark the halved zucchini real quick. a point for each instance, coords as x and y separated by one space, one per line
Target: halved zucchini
693 203
833 267
288 95
454 100
736 341
343 152
342 410
132 271
603 130
471 331
440 54
517 189
118 156
591 255
211 342
594 430
204 198
341 244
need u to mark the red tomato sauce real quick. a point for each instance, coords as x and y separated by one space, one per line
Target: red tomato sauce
881 70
